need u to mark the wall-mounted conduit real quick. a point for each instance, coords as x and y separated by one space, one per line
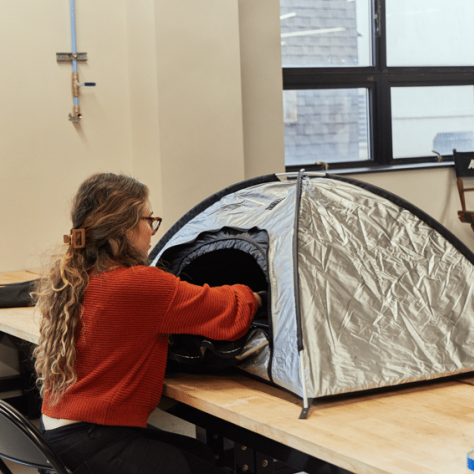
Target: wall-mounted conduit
76 116
74 57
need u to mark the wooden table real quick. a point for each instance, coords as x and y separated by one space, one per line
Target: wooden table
424 428
414 429
20 322
19 328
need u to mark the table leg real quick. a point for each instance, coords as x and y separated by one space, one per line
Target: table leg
290 460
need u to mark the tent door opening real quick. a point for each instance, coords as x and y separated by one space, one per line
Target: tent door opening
225 267
226 257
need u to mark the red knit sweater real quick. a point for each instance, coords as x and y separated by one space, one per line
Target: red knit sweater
122 344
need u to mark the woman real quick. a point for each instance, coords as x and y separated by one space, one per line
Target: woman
101 357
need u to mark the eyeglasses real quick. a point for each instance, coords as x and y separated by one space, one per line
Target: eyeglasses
154 223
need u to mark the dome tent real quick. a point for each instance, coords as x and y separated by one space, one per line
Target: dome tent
365 290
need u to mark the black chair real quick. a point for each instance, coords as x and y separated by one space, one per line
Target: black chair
22 443
464 167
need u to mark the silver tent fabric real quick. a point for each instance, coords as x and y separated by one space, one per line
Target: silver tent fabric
271 207
385 298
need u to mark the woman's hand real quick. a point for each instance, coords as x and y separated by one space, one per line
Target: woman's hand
259 299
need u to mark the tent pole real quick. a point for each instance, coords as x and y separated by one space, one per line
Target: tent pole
296 283
296 279
307 402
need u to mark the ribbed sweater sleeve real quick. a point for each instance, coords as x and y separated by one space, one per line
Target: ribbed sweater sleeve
122 341
220 313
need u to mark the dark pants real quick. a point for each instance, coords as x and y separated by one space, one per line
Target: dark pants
86 448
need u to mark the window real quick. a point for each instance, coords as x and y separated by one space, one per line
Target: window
371 83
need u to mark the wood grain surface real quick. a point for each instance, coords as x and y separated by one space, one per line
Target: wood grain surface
418 429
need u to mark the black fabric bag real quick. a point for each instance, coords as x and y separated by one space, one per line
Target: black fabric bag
17 294
198 354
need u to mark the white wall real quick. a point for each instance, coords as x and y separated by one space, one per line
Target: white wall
143 97
43 156
181 99
261 77
199 99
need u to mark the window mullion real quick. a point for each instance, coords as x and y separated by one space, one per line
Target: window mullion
379 35
383 119
381 105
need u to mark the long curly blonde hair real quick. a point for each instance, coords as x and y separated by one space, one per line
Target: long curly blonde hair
106 206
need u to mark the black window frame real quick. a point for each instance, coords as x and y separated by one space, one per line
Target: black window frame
378 80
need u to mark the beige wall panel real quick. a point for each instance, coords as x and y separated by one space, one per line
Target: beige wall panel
144 113
44 156
200 100
260 46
